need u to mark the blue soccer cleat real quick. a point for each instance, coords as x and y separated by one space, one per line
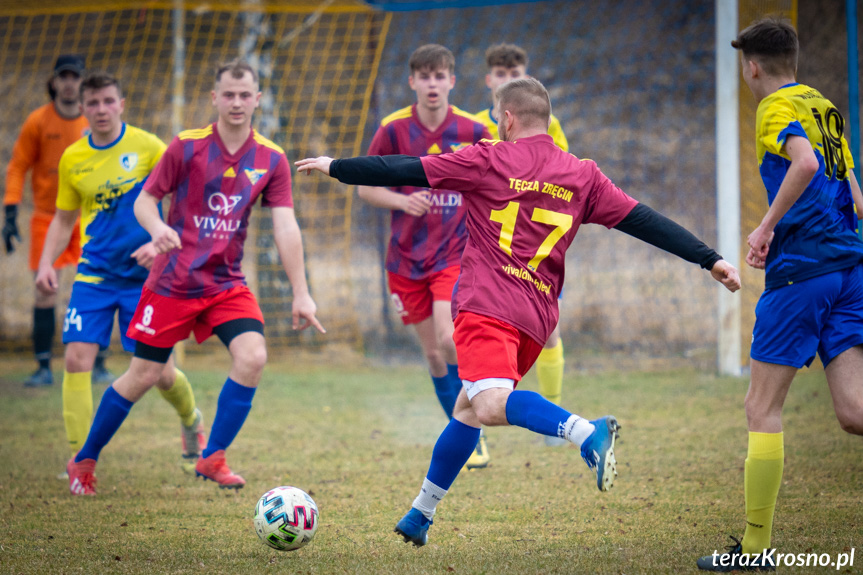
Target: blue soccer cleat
414 527
598 451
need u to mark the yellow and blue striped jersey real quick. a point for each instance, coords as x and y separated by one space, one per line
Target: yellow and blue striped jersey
817 235
554 128
104 182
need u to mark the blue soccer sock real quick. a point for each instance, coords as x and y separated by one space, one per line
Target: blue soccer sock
454 381
453 447
530 410
235 402
111 414
443 390
451 452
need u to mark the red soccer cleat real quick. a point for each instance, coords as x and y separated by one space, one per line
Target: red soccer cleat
215 468
82 481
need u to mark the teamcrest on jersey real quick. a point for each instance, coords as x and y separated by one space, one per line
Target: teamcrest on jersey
129 161
255 175
459 146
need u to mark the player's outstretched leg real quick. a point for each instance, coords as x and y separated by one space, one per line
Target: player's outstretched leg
598 451
596 438
450 453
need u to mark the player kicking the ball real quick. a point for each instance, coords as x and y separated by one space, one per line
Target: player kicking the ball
196 285
526 199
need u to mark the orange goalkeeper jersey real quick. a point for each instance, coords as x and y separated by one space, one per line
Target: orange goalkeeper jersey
43 139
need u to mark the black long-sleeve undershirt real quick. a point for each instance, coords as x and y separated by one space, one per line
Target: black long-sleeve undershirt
648 225
642 222
387 171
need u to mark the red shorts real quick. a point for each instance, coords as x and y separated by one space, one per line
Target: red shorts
162 321
489 347
413 299
38 229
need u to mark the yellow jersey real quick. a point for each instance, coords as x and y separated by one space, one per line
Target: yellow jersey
104 182
554 128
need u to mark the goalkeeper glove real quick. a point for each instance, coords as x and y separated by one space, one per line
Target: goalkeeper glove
10 227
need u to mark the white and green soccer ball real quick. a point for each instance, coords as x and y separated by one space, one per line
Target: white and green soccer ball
286 518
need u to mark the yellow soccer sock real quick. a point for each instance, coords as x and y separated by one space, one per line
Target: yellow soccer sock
762 477
181 397
549 372
77 407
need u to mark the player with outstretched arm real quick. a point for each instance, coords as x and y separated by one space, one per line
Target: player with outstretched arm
526 199
215 175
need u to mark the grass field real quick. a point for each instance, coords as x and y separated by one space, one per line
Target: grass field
358 437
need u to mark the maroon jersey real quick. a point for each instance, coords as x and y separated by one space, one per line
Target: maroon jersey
213 194
420 246
525 202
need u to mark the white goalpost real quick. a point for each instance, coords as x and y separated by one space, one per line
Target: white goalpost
727 183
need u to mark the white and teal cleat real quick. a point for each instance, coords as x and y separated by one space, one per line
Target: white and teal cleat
598 451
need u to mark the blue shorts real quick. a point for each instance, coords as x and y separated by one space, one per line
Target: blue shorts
90 315
823 314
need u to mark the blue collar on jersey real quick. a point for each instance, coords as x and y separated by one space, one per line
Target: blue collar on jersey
789 85
491 115
106 146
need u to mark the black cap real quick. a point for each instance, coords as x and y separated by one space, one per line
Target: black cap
69 63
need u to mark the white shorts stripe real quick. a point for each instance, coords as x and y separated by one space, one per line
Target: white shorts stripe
471 388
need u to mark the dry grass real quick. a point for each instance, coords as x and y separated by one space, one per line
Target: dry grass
358 438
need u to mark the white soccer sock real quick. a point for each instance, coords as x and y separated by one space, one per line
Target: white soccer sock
577 429
430 495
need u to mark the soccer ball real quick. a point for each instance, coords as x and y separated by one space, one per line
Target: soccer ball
286 518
